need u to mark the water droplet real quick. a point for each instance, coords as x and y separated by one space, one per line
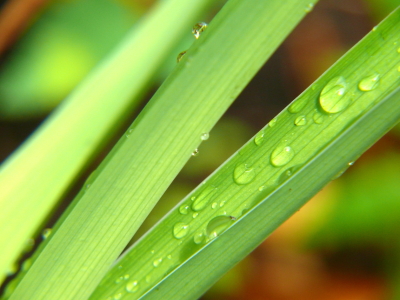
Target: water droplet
152 251
169 256
180 230
118 296
184 209
126 276
319 118
202 200
243 174
198 29
287 174
218 225
398 69
195 215
29 245
261 188
331 98
350 163
119 279
259 138
374 28
132 286
300 121
46 233
198 237
214 205
369 83
398 50
205 136
148 278
157 262
26 264
309 7
272 122
281 156
222 203
180 56
296 106
129 132
195 152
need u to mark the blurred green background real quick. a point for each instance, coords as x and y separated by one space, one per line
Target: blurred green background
343 244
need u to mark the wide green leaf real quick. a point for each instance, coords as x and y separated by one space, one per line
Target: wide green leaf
126 186
310 143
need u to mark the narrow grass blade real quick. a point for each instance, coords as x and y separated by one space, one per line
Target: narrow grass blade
144 162
34 178
332 123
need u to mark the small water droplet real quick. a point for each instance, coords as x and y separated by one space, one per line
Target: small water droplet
281 156
195 152
126 276
309 7
46 233
202 200
287 174
157 262
205 136
369 83
180 56
118 296
272 122
218 225
198 237
169 256
243 174
332 98
350 163
296 106
214 205
300 121
148 278
132 286
398 50
319 118
374 28
259 138
198 29
129 132
152 251
180 230
119 279
222 203
195 215
261 188
184 209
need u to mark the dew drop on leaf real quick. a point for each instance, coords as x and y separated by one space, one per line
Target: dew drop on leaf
180 230
132 286
198 29
46 233
281 156
218 225
205 197
205 136
184 209
300 121
272 122
243 174
259 138
332 99
157 262
198 237
195 152
180 56
369 83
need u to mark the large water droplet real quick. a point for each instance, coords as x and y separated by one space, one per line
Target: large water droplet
198 29
369 83
46 233
204 198
300 121
218 225
332 98
132 286
205 136
243 174
180 56
259 138
184 209
180 230
281 156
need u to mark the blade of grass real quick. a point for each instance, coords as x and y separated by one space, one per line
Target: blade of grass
177 259
34 178
142 165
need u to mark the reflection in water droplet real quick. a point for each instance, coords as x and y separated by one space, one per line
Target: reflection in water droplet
180 230
132 286
300 121
243 174
46 233
195 152
198 237
218 225
204 198
198 29
157 262
180 56
184 209
272 122
259 138
205 136
332 98
369 83
281 156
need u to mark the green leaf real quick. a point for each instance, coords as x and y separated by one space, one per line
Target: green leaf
306 146
34 178
135 174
